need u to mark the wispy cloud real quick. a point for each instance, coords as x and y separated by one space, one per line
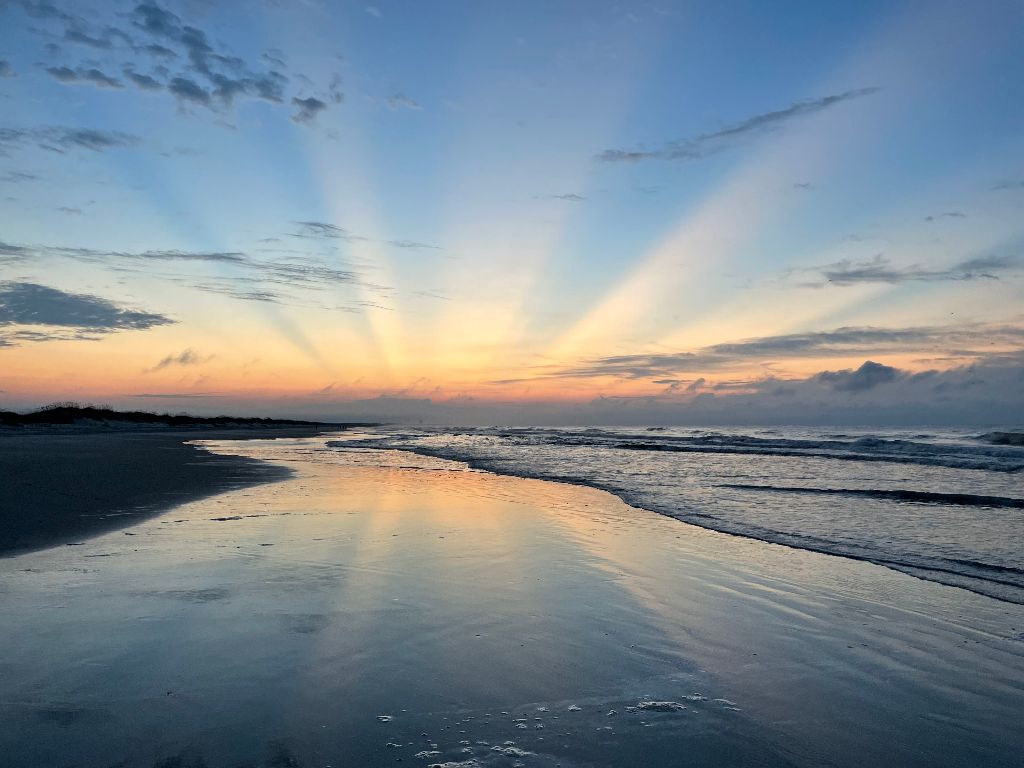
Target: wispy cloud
321 229
401 101
175 395
264 280
62 139
880 270
707 144
571 197
186 357
963 342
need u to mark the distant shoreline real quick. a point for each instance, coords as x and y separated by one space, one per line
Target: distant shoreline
69 417
66 485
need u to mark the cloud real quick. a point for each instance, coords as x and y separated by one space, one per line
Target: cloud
11 253
413 245
374 11
144 82
707 144
1005 186
947 215
334 89
868 376
91 76
175 395
226 76
308 108
263 280
75 33
62 139
320 229
34 304
184 358
189 90
400 101
966 341
160 51
17 177
5 69
571 197
880 270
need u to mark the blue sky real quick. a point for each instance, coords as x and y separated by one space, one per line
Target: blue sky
498 203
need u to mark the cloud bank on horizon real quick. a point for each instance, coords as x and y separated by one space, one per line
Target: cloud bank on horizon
456 212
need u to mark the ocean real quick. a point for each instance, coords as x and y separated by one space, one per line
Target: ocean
943 505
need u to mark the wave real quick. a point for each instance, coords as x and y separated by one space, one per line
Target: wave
1003 438
1001 455
917 497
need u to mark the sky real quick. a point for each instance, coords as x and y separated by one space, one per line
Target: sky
528 212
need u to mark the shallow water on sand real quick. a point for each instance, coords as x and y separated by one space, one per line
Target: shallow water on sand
944 505
380 607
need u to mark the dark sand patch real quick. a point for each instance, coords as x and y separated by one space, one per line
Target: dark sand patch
63 488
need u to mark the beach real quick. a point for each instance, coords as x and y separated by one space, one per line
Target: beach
375 606
67 484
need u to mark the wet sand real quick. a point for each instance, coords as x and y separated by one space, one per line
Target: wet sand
358 614
60 488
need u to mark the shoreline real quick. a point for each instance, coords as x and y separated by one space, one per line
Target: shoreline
972 583
63 487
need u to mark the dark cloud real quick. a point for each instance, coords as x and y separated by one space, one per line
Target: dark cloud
880 270
90 76
33 304
189 90
145 82
308 109
62 139
868 376
226 76
707 144
69 210
5 69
